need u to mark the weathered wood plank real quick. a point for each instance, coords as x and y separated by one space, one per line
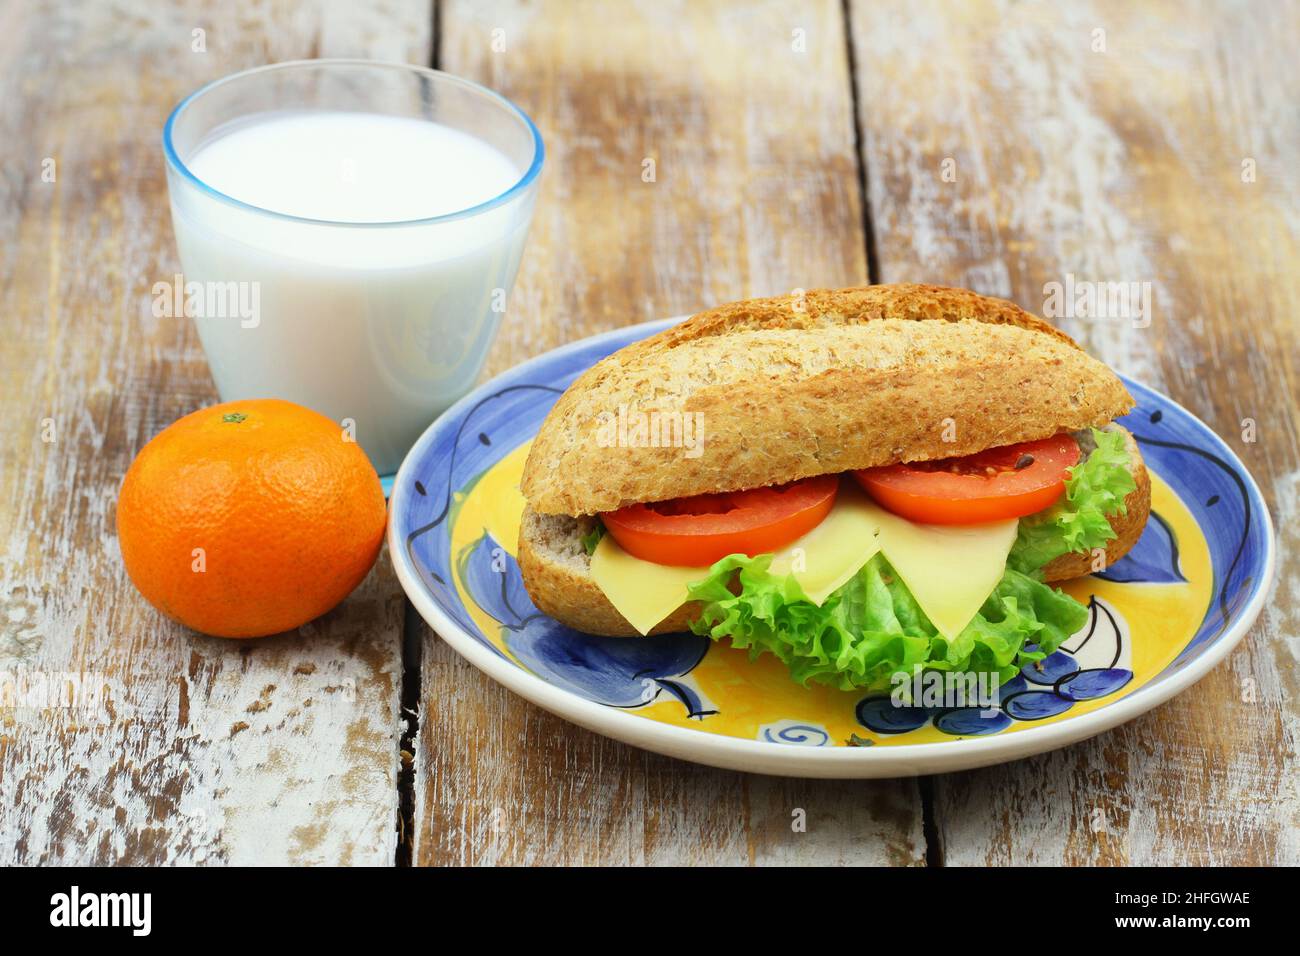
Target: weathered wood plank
199 751
755 192
1124 164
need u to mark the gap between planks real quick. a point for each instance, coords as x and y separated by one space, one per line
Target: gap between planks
410 711
925 785
860 152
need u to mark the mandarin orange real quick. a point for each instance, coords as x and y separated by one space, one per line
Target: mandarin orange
250 518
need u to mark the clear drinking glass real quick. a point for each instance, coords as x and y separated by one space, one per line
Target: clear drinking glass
378 325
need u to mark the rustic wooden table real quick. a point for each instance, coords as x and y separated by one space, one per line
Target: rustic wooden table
995 145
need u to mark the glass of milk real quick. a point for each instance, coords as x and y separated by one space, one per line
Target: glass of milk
349 232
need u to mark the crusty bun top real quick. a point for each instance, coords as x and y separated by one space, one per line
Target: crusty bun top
770 390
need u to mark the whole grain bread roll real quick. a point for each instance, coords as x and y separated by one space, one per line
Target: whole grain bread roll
767 391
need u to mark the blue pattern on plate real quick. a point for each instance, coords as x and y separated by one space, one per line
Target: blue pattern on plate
880 714
1153 559
1036 704
793 732
1094 683
1204 473
972 722
1050 669
491 422
1042 689
608 670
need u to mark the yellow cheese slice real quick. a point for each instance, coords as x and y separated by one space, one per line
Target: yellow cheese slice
831 553
643 592
823 559
950 569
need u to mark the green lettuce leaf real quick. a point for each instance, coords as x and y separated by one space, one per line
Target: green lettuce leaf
872 627
1097 487
592 538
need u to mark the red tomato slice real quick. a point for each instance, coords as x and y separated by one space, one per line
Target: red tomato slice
994 485
696 531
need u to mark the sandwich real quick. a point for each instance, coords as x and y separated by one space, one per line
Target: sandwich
863 482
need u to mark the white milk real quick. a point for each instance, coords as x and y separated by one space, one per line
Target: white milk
382 325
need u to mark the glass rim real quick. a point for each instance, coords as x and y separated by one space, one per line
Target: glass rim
529 175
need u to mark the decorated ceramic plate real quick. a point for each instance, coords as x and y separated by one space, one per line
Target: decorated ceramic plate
1159 619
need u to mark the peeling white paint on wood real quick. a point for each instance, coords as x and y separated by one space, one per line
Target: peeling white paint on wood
1119 166
1122 166
202 751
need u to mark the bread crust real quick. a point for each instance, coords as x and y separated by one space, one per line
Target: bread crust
781 389
832 308
563 589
